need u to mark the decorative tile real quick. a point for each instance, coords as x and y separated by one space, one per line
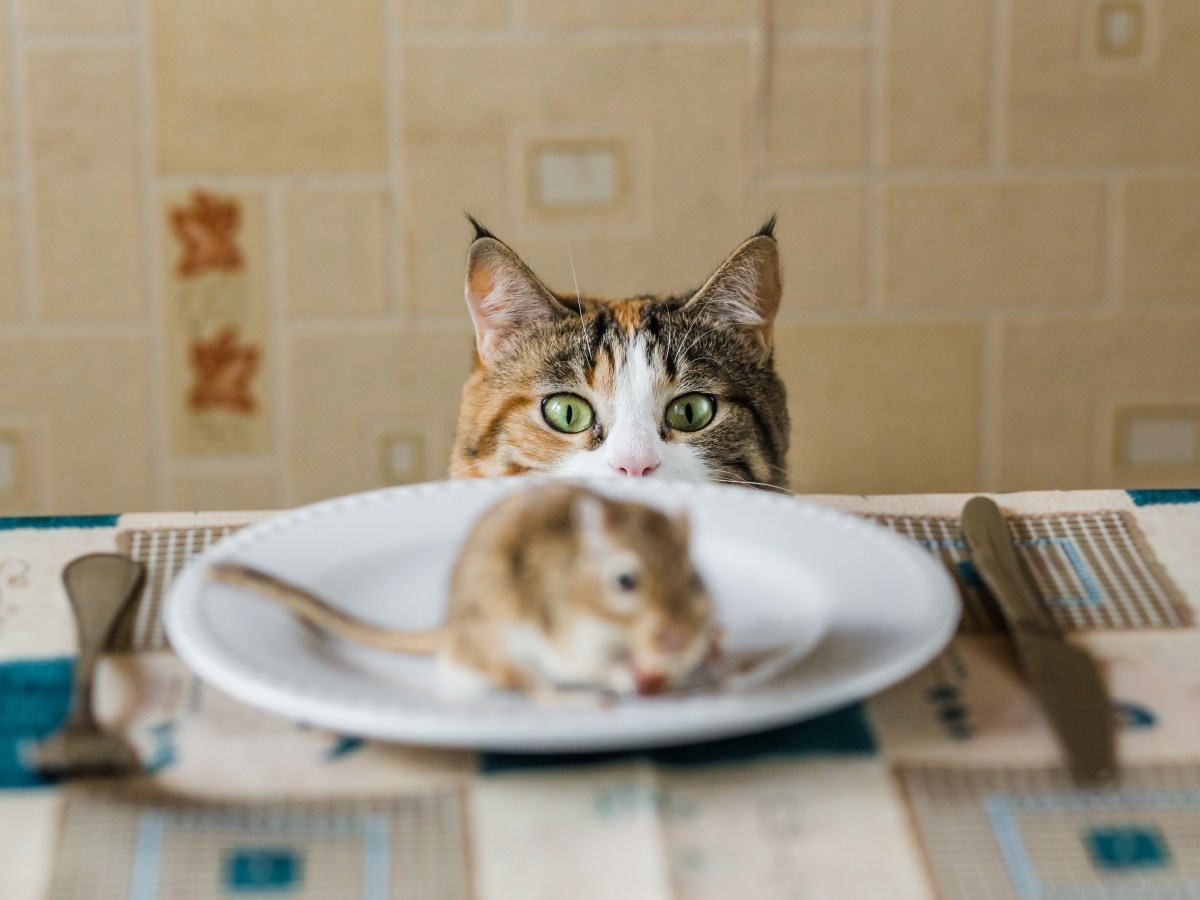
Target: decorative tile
817 106
116 843
1057 382
986 244
1158 442
1075 97
236 88
938 65
1122 33
215 316
578 178
460 156
882 408
73 17
1161 263
336 251
407 455
86 98
822 235
1027 833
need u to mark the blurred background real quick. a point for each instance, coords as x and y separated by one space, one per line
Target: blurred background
232 240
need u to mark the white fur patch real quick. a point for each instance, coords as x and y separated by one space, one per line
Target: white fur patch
586 656
632 416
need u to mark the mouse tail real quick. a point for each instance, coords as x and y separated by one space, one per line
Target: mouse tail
323 615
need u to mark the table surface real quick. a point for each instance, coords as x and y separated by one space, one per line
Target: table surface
949 784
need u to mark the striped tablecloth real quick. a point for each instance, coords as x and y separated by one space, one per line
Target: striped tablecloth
946 785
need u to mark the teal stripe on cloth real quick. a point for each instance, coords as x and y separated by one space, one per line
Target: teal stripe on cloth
34 697
13 522
1154 498
842 732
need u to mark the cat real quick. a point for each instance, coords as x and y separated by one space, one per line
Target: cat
675 385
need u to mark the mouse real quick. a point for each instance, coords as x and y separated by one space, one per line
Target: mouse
556 588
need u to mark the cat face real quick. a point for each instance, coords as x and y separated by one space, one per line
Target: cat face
662 386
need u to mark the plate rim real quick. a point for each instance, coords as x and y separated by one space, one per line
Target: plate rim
249 682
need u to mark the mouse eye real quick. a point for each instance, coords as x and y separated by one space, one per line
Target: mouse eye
627 581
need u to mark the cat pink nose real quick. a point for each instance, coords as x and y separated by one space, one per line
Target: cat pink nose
636 466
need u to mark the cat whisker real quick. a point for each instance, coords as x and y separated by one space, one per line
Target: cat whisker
760 484
583 342
695 318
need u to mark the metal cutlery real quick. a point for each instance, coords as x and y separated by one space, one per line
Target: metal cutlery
99 587
1064 677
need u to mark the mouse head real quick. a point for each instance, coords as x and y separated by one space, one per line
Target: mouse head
649 612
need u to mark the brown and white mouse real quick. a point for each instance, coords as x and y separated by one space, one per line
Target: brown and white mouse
555 588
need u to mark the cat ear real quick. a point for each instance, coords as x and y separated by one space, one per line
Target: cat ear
746 289
502 293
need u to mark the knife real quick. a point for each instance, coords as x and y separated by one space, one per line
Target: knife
1063 676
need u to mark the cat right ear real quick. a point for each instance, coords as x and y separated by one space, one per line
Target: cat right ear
502 294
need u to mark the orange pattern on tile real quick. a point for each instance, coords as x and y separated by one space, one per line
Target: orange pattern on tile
207 231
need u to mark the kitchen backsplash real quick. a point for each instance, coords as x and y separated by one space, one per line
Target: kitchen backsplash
232 232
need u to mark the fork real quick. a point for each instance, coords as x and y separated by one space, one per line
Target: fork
99 586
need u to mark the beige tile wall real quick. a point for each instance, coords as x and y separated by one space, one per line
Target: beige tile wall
989 214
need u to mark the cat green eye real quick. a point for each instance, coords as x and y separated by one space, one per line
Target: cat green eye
566 412
691 412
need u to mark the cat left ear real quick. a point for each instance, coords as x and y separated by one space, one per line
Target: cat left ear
747 287
502 293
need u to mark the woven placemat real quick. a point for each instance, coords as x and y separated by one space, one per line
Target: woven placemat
1090 571
996 834
164 552
131 843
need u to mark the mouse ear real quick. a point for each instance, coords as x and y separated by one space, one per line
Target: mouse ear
682 525
588 513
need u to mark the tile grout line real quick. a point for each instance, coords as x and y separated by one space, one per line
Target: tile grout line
998 76
398 308
152 311
249 181
1082 173
1113 241
760 86
23 163
990 419
77 328
274 272
516 32
877 160
98 41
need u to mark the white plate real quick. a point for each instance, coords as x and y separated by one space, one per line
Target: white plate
870 605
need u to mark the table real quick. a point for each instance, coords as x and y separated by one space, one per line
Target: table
947 785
